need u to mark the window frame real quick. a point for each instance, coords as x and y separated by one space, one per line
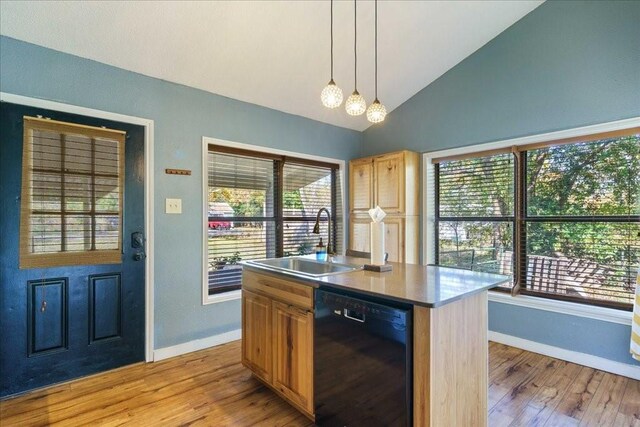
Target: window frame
28 259
276 154
582 134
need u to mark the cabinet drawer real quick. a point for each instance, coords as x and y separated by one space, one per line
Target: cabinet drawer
279 289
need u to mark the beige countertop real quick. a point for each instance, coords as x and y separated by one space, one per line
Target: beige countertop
429 286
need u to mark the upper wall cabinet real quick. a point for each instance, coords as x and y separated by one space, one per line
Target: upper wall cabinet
391 182
388 180
361 184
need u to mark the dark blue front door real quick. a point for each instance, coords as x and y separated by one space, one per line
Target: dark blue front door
60 323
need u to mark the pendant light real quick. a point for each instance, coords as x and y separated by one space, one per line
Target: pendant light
331 95
355 104
376 111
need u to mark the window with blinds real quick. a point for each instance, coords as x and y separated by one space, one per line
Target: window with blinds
475 213
564 214
72 192
306 190
264 206
581 231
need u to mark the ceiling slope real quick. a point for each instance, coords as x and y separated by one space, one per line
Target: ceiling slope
270 53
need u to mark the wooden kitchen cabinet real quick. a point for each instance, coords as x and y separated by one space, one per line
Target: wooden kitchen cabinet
361 185
359 234
400 237
277 336
293 353
256 334
390 181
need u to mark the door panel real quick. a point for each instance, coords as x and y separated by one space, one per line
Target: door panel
394 239
47 316
105 307
361 185
94 314
389 182
293 355
360 234
256 334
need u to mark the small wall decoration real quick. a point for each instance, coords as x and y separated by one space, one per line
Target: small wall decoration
177 171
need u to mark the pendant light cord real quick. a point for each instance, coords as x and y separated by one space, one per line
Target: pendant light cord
331 40
376 48
355 44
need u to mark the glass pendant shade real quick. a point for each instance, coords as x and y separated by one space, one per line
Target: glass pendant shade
355 104
376 112
331 95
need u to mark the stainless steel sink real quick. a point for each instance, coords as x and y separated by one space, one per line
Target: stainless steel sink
305 266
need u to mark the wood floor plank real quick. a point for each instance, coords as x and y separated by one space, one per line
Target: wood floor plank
211 388
515 402
603 409
549 395
577 398
630 405
502 355
503 381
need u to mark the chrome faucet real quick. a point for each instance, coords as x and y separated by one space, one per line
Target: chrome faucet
316 229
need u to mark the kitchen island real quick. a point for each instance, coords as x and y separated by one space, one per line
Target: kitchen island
450 346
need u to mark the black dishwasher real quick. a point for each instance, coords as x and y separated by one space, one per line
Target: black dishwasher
362 362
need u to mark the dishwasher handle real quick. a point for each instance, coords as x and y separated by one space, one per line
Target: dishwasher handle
354 315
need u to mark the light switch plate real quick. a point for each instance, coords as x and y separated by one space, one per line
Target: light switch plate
173 206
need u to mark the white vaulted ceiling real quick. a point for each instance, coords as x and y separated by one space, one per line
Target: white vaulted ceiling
270 53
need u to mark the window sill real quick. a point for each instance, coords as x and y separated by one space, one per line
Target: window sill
222 297
574 309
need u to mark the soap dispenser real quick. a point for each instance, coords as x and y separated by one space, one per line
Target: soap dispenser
321 251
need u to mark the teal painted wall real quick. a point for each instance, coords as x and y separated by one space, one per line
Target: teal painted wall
564 65
182 117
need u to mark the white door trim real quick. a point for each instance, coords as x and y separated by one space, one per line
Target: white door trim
148 188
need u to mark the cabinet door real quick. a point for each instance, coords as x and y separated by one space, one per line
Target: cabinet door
256 334
394 231
293 353
361 185
389 182
359 235
394 237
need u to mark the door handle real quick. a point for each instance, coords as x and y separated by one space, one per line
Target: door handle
138 242
355 316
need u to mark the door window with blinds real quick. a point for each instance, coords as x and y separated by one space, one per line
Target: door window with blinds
562 217
72 194
264 206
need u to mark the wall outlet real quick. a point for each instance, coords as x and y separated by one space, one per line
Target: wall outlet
173 206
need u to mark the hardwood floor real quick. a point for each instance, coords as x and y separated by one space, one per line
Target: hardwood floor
211 388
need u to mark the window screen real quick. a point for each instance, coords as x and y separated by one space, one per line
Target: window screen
72 194
264 206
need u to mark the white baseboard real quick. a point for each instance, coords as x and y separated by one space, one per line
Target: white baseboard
584 359
195 345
